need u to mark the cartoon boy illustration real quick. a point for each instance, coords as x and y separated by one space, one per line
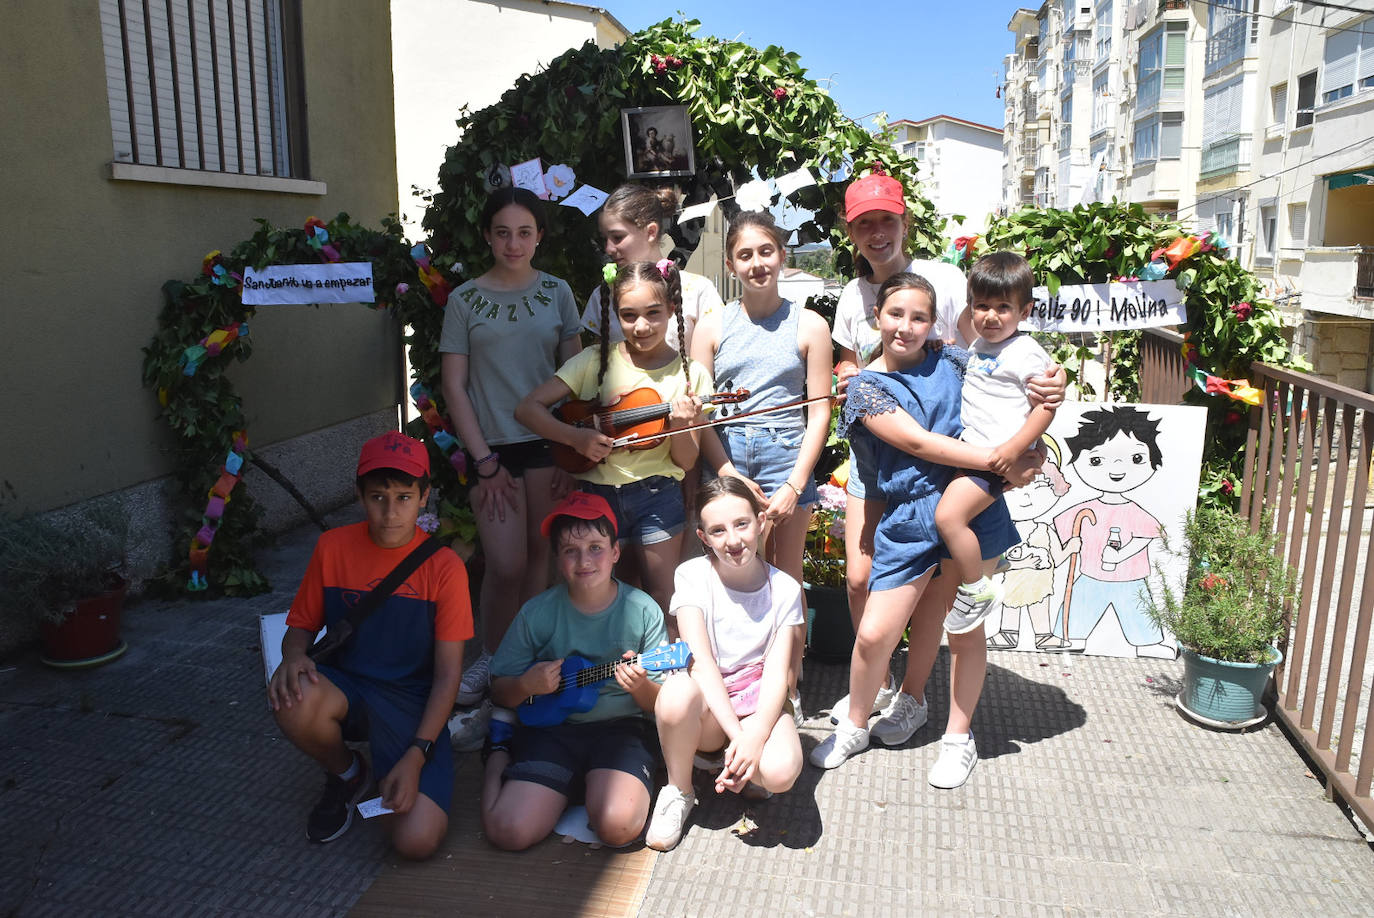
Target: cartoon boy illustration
1029 581
1116 450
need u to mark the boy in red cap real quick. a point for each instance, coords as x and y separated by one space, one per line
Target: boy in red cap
607 754
393 682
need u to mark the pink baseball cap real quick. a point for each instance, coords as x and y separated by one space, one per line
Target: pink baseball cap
582 506
873 192
394 451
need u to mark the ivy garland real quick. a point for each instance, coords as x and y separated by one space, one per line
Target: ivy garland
198 401
1230 323
750 108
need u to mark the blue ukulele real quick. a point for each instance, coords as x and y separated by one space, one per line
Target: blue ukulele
580 686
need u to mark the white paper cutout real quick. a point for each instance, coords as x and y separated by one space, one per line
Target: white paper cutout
793 181
697 211
586 199
530 176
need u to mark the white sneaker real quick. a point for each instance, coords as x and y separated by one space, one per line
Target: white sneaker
670 815
958 755
840 745
476 680
973 602
468 729
840 710
903 717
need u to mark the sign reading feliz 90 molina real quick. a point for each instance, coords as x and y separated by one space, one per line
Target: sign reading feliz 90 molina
1107 307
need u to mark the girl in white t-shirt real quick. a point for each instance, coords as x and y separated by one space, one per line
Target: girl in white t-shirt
738 613
632 223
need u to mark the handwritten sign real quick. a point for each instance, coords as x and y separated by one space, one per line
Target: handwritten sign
279 285
1107 307
530 176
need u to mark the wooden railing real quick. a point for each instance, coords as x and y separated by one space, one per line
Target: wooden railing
1307 463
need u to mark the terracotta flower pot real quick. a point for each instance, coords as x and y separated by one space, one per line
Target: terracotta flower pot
90 635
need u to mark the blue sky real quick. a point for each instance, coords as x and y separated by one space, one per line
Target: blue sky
910 59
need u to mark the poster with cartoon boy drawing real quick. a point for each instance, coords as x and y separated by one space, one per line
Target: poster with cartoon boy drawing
1116 479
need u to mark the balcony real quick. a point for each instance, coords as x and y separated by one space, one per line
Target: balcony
1222 158
1339 280
1227 46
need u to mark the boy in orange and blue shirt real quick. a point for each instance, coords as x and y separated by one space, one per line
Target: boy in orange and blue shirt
395 681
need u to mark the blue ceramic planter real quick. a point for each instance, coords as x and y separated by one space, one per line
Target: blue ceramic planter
1222 693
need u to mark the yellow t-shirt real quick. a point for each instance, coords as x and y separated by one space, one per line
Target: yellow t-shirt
625 466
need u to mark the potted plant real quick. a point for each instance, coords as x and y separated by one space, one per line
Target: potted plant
1227 613
63 577
829 633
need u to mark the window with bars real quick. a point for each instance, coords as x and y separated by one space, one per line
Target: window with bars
209 85
1307 99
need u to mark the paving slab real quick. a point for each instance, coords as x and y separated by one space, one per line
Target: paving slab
158 785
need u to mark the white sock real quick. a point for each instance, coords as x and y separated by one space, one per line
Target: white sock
976 586
960 738
351 772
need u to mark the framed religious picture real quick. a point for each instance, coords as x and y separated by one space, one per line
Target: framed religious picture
658 141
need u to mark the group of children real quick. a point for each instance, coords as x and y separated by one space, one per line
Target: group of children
511 354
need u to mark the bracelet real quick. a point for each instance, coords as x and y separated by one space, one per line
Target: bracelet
794 488
492 456
493 474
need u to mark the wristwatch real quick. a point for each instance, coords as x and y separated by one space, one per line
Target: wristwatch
426 746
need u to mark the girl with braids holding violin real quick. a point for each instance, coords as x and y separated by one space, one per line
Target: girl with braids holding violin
638 387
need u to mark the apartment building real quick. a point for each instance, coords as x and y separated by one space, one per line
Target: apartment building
961 166
1248 117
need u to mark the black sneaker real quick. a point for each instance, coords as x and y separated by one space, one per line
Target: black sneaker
332 816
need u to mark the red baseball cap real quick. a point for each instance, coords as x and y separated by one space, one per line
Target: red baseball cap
873 192
394 451
582 506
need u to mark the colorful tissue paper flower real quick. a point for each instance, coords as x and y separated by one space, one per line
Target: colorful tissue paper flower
191 359
755 195
313 223
559 180
1242 310
330 253
1154 271
1244 392
208 263
224 485
458 459
444 440
402 289
197 583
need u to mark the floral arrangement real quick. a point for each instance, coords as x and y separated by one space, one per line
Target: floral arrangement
823 561
1233 601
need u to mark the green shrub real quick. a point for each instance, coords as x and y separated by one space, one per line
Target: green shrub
1233 600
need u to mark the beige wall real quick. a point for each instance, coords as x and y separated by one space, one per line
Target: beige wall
85 257
1349 216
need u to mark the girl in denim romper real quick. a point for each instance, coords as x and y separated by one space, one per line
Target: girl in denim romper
780 352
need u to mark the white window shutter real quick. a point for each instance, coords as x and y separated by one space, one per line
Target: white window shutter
1339 60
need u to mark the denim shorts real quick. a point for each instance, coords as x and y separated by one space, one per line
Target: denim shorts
646 512
863 470
560 756
766 455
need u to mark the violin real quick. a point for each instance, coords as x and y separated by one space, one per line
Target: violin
639 417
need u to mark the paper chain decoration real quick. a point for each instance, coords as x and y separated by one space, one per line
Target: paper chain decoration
1238 389
434 282
229 475
1167 258
211 346
439 432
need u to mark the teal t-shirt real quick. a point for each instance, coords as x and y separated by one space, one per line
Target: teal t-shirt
550 627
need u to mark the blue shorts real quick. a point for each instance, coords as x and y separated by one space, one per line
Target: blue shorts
560 756
646 512
766 455
387 716
863 470
907 544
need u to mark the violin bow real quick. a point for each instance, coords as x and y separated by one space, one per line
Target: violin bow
716 422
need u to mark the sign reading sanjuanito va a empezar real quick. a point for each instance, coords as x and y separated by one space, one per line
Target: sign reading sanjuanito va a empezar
1107 307
278 285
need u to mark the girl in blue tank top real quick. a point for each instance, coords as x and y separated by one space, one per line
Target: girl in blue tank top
906 406
780 352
